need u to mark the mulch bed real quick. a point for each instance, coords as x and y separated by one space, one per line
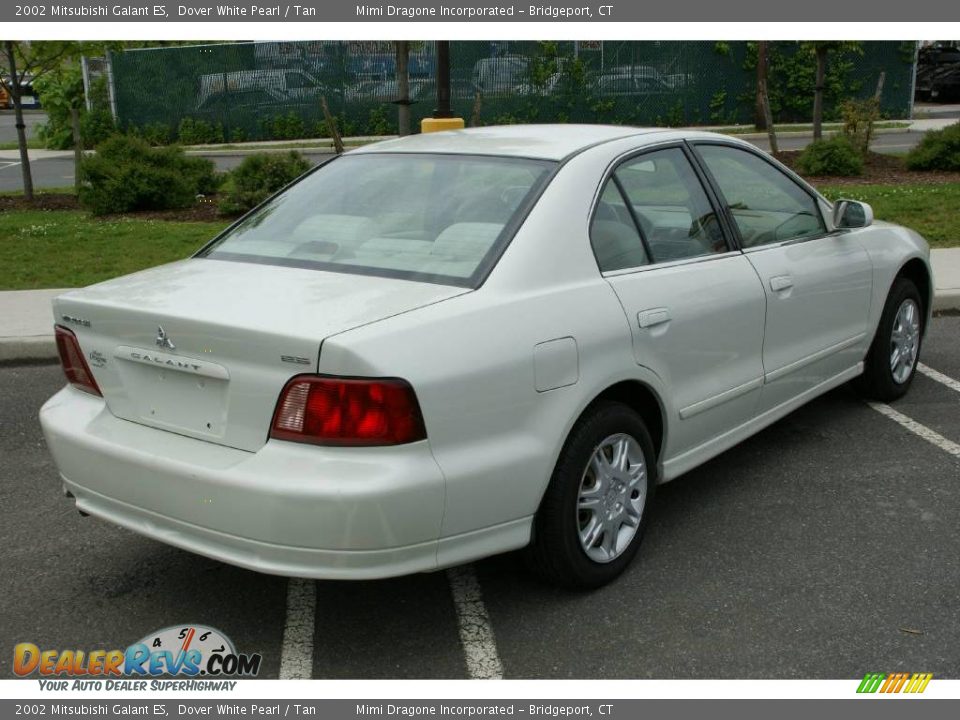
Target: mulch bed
203 211
878 169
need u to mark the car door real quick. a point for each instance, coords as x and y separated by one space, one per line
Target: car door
817 283
694 305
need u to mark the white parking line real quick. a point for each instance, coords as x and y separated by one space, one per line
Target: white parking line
296 653
939 377
476 632
4 165
934 438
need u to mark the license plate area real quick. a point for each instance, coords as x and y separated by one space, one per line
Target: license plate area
174 392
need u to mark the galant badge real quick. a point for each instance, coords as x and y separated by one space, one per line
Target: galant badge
163 341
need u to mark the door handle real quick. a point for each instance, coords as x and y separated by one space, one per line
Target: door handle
781 282
653 316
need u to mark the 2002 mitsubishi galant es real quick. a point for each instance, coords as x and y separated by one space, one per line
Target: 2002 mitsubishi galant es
451 345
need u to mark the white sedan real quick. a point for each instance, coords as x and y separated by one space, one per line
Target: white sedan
442 347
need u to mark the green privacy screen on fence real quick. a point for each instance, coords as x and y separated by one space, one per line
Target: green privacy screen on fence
272 90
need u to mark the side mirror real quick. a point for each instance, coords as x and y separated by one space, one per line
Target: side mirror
849 214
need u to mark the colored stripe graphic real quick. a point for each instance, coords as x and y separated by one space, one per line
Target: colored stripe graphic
894 682
871 682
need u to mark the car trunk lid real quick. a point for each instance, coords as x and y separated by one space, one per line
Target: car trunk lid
203 347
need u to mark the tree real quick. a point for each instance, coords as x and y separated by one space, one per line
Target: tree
763 97
33 60
821 50
760 115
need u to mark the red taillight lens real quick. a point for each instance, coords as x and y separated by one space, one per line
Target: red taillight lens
74 365
348 411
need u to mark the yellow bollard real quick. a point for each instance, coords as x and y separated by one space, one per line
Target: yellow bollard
438 124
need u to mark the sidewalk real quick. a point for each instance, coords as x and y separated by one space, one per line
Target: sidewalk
26 318
326 144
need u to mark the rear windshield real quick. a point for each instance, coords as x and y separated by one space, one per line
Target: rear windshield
435 218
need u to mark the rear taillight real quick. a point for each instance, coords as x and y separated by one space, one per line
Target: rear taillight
348 411
74 365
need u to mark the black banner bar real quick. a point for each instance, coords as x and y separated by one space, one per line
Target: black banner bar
482 11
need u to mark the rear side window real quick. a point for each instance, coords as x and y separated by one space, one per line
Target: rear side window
436 218
767 205
661 210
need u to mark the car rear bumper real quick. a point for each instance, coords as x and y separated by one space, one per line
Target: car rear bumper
287 509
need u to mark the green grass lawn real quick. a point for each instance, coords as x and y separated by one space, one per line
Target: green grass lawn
932 210
66 248
69 248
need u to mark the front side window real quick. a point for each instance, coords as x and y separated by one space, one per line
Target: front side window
440 218
767 206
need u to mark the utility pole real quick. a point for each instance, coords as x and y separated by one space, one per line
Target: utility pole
403 87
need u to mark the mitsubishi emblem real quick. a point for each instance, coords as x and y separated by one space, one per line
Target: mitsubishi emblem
163 341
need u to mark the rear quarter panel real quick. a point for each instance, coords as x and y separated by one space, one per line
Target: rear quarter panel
471 358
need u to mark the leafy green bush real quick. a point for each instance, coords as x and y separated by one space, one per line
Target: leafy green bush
193 131
60 93
258 177
858 119
284 127
939 150
836 156
127 174
96 126
156 134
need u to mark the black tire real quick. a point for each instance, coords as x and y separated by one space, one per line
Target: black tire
877 381
556 554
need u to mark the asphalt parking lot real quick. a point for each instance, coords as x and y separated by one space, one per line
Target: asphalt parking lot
825 547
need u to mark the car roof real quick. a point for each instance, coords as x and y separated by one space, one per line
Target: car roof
547 142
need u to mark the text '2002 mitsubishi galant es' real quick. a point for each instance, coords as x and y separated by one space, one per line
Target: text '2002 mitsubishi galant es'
451 345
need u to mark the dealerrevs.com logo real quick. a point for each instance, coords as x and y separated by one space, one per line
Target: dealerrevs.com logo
184 651
888 683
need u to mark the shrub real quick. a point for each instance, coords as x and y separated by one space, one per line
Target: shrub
193 131
155 133
60 92
127 174
858 119
836 156
938 150
285 127
258 177
96 126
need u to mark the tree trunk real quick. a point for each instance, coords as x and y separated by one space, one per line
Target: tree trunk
818 88
18 115
77 147
760 116
768 118
403 88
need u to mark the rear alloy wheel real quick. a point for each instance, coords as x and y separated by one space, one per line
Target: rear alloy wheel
590 523
895 351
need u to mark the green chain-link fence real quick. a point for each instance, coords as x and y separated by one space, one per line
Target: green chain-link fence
248 91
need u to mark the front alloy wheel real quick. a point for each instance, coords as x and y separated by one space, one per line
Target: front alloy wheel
905 341
892 360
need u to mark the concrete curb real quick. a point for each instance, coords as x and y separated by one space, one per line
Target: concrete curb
27 349
946 300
